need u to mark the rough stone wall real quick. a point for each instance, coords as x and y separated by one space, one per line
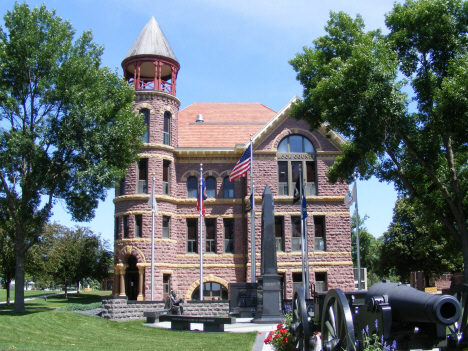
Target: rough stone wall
171 255
119 309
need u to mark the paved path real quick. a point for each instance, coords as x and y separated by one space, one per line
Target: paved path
243 325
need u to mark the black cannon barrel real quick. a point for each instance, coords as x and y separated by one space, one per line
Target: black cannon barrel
411 305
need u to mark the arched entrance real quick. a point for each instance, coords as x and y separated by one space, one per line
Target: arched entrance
131 278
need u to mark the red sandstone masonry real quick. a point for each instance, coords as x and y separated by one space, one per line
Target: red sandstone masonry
170 256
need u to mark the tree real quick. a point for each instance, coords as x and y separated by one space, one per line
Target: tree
351 86
71 255
369 248
68 131
414 242
7 261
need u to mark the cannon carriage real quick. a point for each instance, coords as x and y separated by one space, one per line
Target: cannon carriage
394 312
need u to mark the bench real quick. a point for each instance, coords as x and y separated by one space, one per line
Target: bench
153 316
210 324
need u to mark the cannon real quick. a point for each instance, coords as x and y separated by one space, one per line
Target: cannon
394 312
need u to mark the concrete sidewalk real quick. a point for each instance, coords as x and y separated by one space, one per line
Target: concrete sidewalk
243 325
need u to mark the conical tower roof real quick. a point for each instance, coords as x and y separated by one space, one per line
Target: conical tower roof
151 41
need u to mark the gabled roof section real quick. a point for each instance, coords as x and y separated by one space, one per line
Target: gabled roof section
151 41
225 124
282 115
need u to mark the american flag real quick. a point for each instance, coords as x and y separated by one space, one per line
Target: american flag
242 166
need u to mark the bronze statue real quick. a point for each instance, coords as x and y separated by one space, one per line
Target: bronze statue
174 305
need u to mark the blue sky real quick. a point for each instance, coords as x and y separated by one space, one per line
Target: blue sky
229 51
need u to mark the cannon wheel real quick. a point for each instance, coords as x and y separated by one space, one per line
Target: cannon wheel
300 321
337 323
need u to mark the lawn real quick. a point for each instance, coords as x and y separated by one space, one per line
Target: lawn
42 328
27 294
55 301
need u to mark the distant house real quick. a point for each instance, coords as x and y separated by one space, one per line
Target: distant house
216 135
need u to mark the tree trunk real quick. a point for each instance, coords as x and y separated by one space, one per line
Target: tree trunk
66 289
8 292
465 257
19 279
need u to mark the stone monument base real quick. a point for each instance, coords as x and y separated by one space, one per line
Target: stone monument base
268 300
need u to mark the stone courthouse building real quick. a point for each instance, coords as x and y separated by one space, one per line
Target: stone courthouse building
216 135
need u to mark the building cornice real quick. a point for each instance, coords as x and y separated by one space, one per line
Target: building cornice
211 201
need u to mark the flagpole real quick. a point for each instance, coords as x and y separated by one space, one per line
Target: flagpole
200 194
302 233
357 235
253 258
152 241
306 245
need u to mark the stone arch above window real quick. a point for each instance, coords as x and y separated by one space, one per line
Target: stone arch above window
127 251
296 131
207 279
296 154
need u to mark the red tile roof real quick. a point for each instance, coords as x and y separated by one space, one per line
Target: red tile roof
225 124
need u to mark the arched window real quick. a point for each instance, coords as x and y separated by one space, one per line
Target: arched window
228 189
211 291
294 152
167 128
210 184
192 187
145 137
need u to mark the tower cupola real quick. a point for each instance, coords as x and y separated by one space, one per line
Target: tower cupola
150 64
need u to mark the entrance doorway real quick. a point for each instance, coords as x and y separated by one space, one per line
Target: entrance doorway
131 279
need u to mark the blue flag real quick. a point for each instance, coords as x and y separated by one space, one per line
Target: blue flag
304 207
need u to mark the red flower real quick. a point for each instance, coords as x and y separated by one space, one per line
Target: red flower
279 326
277 336
285 341
283 331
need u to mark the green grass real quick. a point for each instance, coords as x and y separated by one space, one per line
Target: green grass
61 301
43 328
27 294
64 330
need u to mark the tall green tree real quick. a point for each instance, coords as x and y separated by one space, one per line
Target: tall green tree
350 78
415 242
67 127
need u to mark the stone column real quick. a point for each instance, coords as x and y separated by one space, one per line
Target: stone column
141 272
115 283
122 267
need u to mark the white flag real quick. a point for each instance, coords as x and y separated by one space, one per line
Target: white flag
152 202
350 196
